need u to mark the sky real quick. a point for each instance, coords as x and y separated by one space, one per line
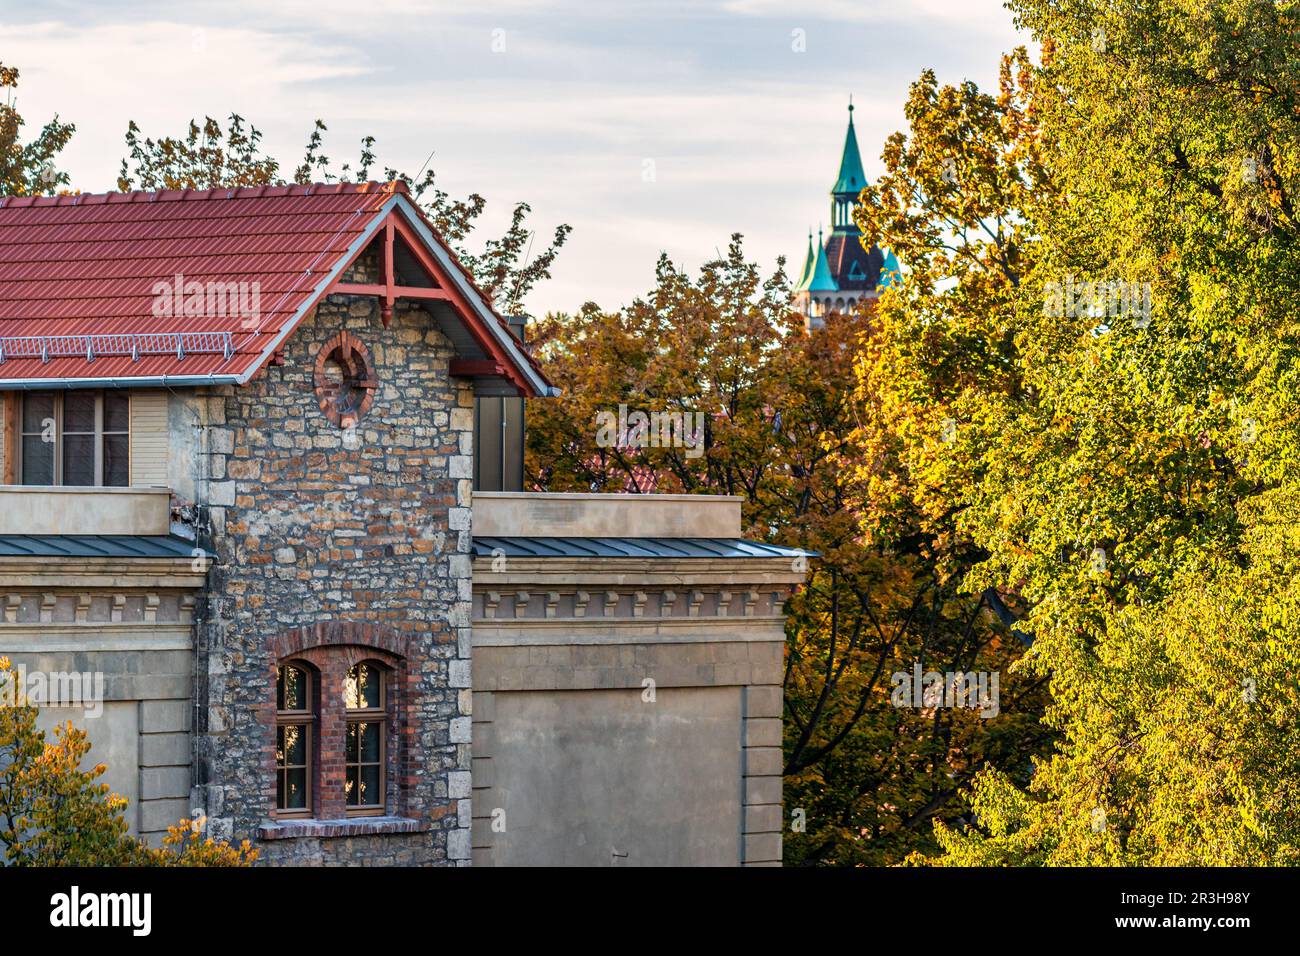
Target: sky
648 125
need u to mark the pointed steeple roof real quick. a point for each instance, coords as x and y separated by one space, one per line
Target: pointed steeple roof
890 270
851 178
808 262
820 279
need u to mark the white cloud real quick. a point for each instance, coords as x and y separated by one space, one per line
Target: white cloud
744 135
990 13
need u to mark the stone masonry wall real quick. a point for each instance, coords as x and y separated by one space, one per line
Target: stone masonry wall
356 541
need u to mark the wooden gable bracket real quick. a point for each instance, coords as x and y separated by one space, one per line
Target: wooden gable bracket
477 368
497 364
387 290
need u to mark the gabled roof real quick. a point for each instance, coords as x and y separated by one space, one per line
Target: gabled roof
84 280
851 178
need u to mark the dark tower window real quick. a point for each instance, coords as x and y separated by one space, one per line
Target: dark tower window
499 436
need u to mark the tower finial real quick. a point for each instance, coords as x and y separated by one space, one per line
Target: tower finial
850 106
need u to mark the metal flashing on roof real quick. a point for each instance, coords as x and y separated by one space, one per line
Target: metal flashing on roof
551 547
98 546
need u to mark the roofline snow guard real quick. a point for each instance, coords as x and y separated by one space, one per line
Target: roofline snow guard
98 345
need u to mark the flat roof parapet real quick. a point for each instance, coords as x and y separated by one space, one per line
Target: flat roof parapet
514 514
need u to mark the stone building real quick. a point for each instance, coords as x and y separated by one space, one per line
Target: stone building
840 272
238 449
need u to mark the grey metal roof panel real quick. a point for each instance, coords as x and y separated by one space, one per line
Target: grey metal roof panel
548 547
95 546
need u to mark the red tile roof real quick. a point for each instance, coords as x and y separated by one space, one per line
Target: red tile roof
80 277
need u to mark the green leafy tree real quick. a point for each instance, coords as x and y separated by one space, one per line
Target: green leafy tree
28 169
207 157
54 813
783 429
1126 470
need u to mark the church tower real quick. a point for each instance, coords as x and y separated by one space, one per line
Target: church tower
839 273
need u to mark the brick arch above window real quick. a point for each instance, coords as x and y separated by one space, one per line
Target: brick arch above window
362 635
331 649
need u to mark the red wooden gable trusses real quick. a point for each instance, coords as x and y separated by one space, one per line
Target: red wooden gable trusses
98 290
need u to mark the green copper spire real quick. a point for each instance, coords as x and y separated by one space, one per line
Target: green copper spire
890 270
820 278
808 261
851 178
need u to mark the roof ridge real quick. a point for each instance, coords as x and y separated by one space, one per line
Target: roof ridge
217 192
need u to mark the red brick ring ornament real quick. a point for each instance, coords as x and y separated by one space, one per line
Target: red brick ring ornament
346 399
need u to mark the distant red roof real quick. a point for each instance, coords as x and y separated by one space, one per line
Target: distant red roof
94 287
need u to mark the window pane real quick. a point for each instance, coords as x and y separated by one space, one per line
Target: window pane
368 734
370 794
79 411
292 789
38 461
38 413
117 406
350 788
78 459
361 687
350 745
362 787
117 453
291 689
291 745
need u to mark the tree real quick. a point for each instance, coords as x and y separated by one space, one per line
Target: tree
1129 468
53 813
208 158
780 419
28 169
204 158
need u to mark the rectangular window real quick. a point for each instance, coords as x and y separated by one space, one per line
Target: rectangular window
294 719
363 759
365 765
293 768
79 438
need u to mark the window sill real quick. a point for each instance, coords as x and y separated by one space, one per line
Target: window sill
351 826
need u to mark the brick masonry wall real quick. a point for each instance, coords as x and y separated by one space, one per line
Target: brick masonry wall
316 528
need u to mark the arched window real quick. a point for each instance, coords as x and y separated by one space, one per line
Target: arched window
295 723
364 701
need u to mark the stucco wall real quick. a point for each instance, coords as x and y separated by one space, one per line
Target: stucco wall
623 720
132 643
608 777
115 742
